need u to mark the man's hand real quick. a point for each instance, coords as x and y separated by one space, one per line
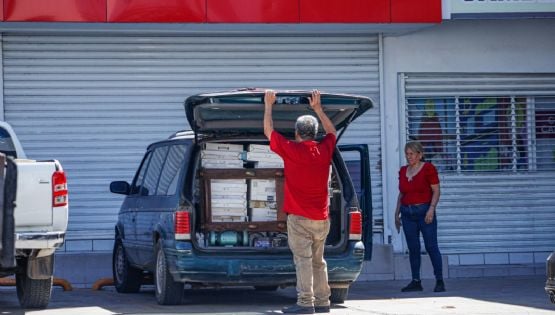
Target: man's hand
316 105
315 102
398 223
269 98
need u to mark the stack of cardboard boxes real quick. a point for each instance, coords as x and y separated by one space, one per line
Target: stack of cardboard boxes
263 191
228 197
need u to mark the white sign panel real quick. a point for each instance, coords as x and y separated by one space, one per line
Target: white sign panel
500 6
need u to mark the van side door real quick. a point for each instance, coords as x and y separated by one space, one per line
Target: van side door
357 160
129 208
157 208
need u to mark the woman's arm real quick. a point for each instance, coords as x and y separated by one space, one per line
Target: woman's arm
433 204
398 213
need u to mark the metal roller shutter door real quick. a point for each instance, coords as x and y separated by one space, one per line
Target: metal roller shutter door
95 102
492 210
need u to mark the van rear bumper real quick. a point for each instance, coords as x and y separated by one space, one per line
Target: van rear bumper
186 266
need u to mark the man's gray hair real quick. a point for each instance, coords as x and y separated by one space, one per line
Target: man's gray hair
307 127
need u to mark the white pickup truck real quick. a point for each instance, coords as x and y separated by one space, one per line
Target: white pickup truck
40 211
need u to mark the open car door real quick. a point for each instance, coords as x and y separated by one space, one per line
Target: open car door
8 184
358 163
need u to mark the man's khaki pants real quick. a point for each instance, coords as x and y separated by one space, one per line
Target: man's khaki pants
306 240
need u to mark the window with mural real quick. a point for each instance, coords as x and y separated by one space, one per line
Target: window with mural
502 133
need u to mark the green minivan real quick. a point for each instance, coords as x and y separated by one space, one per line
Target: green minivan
204 207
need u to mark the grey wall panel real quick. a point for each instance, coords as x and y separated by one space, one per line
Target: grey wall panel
498 211
96 102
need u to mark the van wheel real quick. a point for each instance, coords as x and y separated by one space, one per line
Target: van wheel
552 297
265 287
168 292
127 279
338 295
33 293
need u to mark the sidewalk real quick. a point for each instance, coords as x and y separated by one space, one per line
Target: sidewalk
488 295
470 296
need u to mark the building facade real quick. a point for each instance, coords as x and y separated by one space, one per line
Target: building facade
91 83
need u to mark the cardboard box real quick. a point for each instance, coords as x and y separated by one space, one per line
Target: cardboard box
259 148
222 163
228 186
263 204
268 165
263 214
228 218
229 211
263 189
220 155
258 156
227 203
223 146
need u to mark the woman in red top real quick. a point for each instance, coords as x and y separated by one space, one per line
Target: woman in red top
416 212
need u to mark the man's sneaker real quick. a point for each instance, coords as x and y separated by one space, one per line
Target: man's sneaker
297 309
440 286
414 285
322 309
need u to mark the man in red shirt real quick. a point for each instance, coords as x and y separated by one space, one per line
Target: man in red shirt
307 169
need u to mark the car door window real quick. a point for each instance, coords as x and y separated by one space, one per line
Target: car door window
6 144
153 172
138 181
170 173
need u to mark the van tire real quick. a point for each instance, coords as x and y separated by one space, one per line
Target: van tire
127 279
33 293
338 295
168 292
266 287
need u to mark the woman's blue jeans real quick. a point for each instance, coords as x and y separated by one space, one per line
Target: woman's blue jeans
412 218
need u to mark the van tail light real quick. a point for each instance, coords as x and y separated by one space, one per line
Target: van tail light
182 223
59 189
355 225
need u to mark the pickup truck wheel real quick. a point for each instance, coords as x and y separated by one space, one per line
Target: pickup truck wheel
338 295
168 292
127 279
33 293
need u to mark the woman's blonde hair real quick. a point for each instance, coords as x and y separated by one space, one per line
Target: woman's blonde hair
416 147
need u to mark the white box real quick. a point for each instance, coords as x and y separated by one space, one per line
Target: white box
227 218
259 148
263 204
222 163
258 156
223 146
226 203
263 214
228 186
268 165
220 155
228 211
263 189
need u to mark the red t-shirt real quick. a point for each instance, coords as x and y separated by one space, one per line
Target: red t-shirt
418 190
307 171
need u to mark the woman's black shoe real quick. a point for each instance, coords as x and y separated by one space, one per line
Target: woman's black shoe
440 286
414 285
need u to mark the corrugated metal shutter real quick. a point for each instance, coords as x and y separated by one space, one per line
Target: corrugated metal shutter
95 102
492 138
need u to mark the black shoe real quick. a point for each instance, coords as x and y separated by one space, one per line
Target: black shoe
440 286
322 309
297 309
414 285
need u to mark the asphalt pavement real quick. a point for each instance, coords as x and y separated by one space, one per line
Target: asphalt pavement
481 296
